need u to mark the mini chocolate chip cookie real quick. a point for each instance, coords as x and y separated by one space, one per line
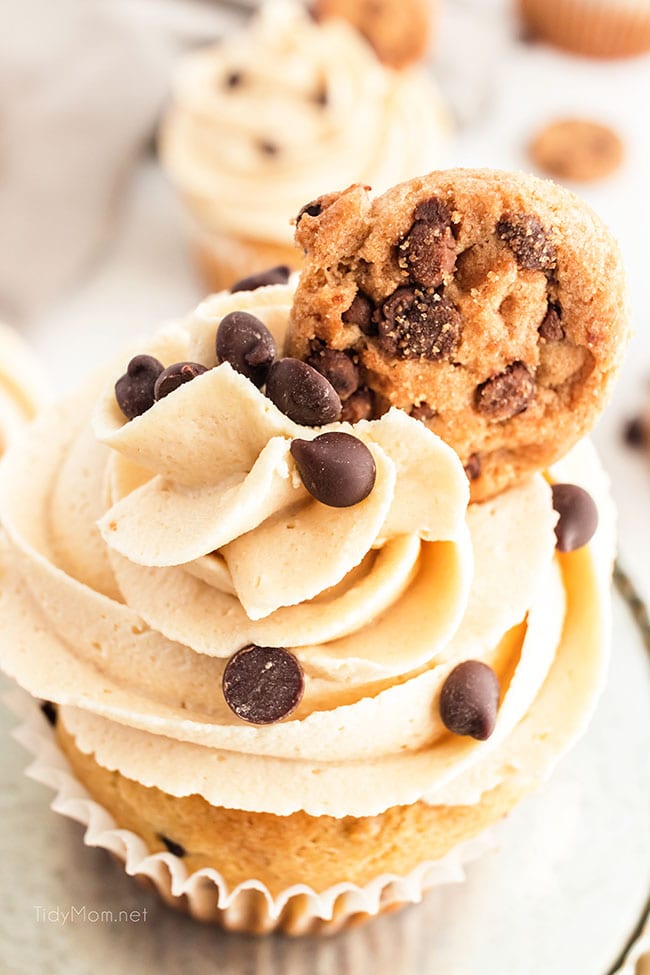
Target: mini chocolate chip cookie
491 306
399 30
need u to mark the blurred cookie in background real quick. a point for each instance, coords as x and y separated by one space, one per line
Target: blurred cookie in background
399 30
577 149
597 28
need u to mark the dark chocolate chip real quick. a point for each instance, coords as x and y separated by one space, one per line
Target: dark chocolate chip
635 433
302 393
422 411
273 275
552 329
268 148
134 391
578 516
360 313
469 700
507 394
263 684
246 343
172 846
322 97
360 406
524 234
336 468
414 323
338 367
176 375
311 209
233 79
428 251
473 467
49 710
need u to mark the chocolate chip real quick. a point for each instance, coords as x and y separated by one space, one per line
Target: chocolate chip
360 406
422 412
635 433
336 468
302 393
268 148
469 700
414 324
551 328
175 375
578 516
49 710
360 313
233 79
172 846
134 391
322 96
311 209
338 367
473 467
428 251
524 234
507 394
263 684
246 343
273 275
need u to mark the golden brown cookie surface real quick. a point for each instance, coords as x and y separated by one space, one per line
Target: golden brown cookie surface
577 149
399 30
490 305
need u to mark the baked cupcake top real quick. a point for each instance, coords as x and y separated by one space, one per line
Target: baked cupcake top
214 620
261 121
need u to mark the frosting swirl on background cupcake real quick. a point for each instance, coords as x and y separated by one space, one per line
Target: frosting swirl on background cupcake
261 122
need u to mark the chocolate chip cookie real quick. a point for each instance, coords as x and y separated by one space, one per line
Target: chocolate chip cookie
577 149
399 30
489 305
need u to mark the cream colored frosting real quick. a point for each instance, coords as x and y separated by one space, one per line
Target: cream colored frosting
139 557
376 125
21 386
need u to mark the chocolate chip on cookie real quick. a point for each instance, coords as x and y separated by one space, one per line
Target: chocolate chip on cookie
422 411
262 685
338 367
359 406
415 323
524 234
246 343
361 313
473 467
507 394
49 709
469 700
176 375
551 328
173 847
336 468
134 391
428 251
302 393
273 275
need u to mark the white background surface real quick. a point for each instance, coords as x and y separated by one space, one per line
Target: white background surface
501 91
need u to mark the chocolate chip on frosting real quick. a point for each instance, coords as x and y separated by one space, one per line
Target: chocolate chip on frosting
246 343
507 394
273 275
338 367
524 234
302 393
336 468
469 700
416 323
428 251
578 516
262 685
172 845
360 313
176 375
134 391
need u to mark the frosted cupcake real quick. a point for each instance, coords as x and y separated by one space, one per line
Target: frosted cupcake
262 121
598 28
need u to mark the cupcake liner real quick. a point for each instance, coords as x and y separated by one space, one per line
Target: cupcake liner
249 907
598 29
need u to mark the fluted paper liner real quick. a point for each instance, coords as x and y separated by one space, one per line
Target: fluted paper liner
204 894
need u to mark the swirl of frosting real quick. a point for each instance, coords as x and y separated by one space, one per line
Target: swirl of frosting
261 122
141 556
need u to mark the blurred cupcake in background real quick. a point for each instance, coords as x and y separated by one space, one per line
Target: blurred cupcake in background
599 28
21 386
260 122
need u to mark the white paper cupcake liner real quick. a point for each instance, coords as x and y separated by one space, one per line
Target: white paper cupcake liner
204 894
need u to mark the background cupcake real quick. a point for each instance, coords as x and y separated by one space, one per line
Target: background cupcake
599 28
261 122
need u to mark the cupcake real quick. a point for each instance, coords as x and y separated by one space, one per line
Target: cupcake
21 390
295 674
597 28
260 122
